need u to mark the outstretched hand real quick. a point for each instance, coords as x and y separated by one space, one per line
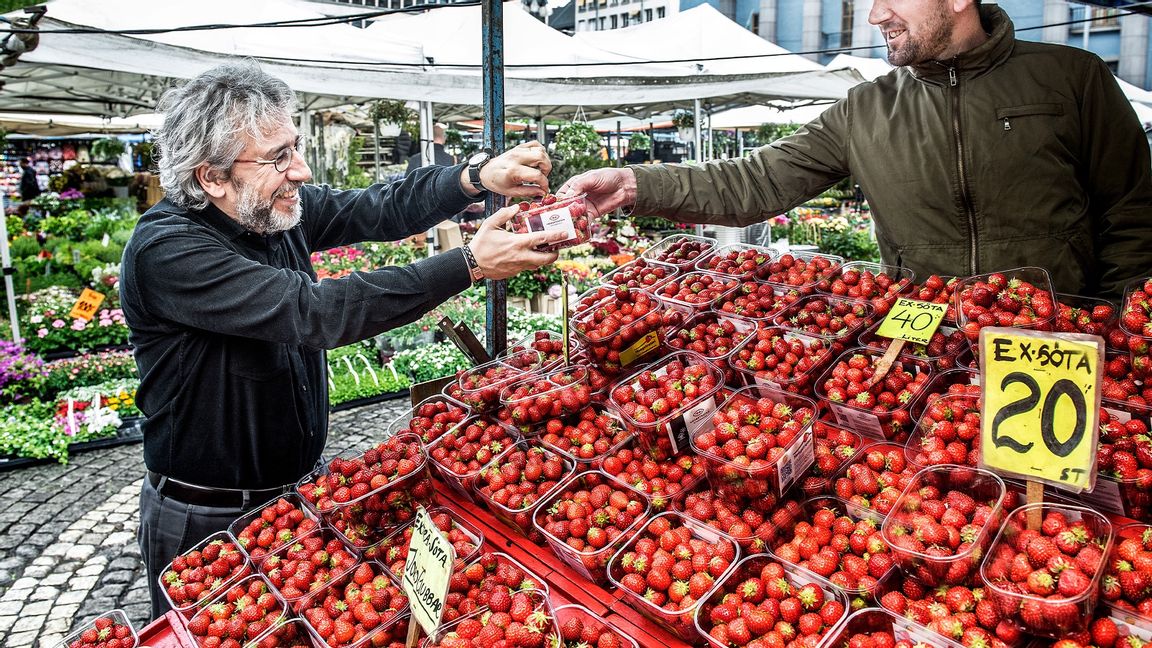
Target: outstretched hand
521 171
606 189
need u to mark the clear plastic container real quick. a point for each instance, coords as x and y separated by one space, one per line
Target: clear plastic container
968 307
479 387
743 519
836 318
937 289
336 565
613 341
1112 493
674 478
640 273
891 480
526 404
1091 315
1135 612
681 622
547 626
248 586
364 520
757 300
588 561
519 515
693 292
394 621
459 455
466 604
549 344
392 551
429 419
896 423
588 438
778 357
669 433
182 568
879 621
680 250
947 343
714 336
804 270
751 567
566 612
289 633
1121 389
847 282
117 618
783 462
833 446
1055 616
569 215
1134 321
283 522
961 564
738 260
951 439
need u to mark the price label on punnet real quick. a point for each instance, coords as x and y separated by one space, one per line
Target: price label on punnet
426 572
1041 405
912 320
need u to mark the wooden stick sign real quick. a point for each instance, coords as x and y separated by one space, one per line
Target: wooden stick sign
426 574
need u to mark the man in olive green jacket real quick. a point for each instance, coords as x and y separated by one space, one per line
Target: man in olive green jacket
981 153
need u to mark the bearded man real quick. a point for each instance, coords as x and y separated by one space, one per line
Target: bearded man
227 317
979 153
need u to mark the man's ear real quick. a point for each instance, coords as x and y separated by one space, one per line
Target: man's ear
211 180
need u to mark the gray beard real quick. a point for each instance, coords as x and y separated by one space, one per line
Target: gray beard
261 216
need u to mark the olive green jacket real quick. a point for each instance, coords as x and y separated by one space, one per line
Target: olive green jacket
1014 153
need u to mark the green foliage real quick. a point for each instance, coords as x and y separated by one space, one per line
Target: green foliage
27 431
87 369
683 119
108 148
768 133
430 361
577 148
357 176
354 372
639 142
522 323
391 112
118 395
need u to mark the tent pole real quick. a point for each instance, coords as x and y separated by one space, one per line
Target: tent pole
542 132
651 142
306 128
8 270
492 37
619 145
428 155
376 145
696 142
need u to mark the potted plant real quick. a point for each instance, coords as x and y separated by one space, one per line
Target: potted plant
118 179
108 149
685 124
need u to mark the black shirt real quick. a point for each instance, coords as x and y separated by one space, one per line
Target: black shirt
230 326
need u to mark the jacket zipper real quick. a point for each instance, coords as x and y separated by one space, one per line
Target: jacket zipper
965 197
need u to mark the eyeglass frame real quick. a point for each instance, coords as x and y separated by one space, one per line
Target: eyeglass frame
291 151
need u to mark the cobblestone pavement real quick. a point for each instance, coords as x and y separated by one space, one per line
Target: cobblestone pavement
68 535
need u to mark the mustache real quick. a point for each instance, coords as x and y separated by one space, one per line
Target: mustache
287 188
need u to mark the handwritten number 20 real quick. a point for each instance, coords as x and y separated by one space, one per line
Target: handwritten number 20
1062 387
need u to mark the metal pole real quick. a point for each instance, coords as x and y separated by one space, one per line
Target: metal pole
376 145
696 143
492 36
542 132
619 145
428 156
651 142
8 270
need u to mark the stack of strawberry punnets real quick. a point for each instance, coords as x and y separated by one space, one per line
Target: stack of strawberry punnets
1048 579
1136 321
514 483
203 571
272 526
667 568
586 516
489 582
1124 455
105 631
832 317
526 404
1127 583
364 497
874 283
849 383
765 602
737 260
948 430
307 564
743 521
940 528
756 300
431 418
800 270
827 541
240 614
464 538
875 478
695 290
479 387
778 357
681 251
639 273
750 434
609 329
1022 298
834 445
526 622
961 613
663 481
459 455
364 605
579 628
586 437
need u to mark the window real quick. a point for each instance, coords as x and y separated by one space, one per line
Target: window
647 15
659 12
847 16
614 22
601 23
1113 66
754 23
1094 18
624 20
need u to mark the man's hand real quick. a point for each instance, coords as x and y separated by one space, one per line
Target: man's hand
607 189
519 172
502 254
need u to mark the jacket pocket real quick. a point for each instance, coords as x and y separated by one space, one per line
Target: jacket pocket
1009 113
256 359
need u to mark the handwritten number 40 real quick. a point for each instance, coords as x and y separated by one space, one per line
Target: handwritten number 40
1062 387
914 322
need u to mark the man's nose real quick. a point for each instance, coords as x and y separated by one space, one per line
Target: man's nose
880 12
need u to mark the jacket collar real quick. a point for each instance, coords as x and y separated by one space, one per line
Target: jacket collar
980 59
232 230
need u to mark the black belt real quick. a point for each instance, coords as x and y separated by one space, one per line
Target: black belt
210 496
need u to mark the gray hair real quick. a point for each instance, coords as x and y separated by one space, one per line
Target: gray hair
205 121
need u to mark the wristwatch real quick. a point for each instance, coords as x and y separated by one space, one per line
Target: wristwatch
475 163
474 270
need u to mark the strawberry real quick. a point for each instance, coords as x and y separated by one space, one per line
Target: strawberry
108 632
756 300
877 284
528 403
694 291
849 383
777 357
663 481
461 452
479 387
873 479
671 387
587 436
986 300
431 418
581 629
834 445
948 432
351 607
736 260
712 336
612 326
307 564
393 550
937 290
241 613
1134 321
831 317
639 273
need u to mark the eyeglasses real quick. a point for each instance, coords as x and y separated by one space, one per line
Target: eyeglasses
283 160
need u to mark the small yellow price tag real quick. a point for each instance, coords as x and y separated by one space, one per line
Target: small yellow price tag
640 349
1041 405
86 306
912 320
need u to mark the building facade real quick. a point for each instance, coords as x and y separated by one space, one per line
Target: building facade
598 15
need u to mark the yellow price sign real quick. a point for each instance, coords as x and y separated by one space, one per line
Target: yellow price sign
912 320
1041 405
86 306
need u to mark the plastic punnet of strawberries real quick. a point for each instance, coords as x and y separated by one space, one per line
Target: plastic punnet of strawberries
515 482
764 601
365 496
946 343
639 273
579 628
431 418
742 520
709 334
949 429
782 358
363 605
1136 321
586 517
736 260
464 451
1107 632
487 583
695 289
289 633
479 387
1075 314
997 300
876 284
849 382
587 436
393 550
802 271
528 403
834 445
242 613
1048 578
756 300
657 393
831 317
1124 454
273 526
937 290
615 324
552 214
1127 583
874 479
1121 384
108 631
527 622
549 345
962 613
662 480
307 564
200 573
681 252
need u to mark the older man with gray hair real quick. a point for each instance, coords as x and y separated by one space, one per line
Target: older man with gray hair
229 321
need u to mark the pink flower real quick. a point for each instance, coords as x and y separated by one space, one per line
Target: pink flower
42 332
104 321
58 323
79 325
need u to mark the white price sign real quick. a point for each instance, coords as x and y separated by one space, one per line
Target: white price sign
426 573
